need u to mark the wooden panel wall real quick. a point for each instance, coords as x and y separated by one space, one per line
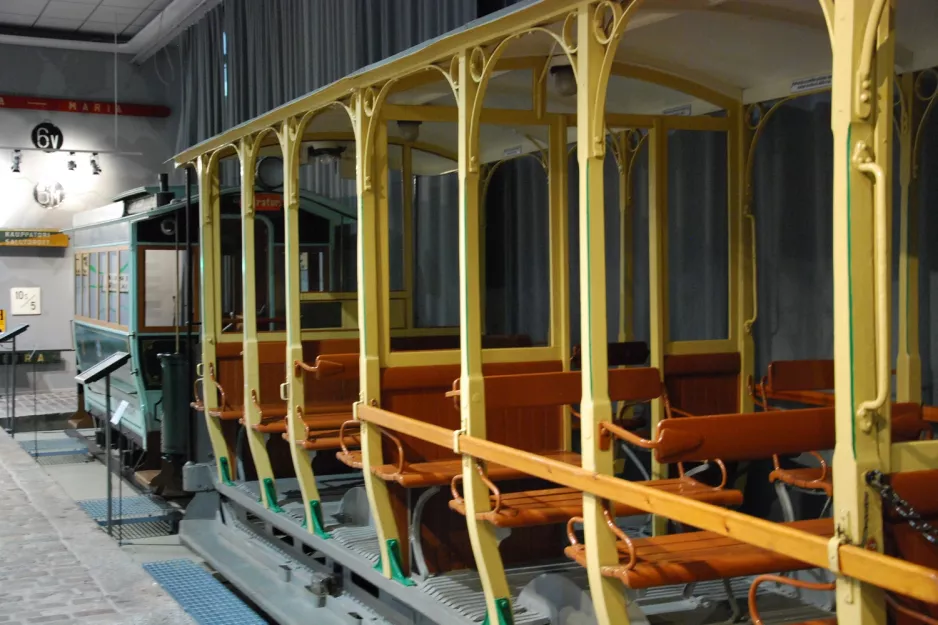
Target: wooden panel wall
703 384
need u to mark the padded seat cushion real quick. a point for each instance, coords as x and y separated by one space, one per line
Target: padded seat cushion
698 556
557 505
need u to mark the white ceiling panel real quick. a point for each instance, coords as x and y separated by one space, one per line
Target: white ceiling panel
16 19
67 10
23 7
59 22
114 15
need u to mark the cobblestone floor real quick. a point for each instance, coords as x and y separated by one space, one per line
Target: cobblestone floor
57 567
44 403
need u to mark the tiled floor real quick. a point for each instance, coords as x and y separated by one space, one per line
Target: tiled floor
56 565
43 403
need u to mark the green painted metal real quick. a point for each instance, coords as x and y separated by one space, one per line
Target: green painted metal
225 472
397 570
505 617
270 489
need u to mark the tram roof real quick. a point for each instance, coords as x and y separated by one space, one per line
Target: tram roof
715 52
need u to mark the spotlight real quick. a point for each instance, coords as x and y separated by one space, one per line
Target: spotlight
71 161
17 159
564 80
409 130
95 168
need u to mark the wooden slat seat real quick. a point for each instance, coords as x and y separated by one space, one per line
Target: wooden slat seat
442 472
556 505
694 557
316 416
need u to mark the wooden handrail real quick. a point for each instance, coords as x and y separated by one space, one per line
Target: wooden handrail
904 578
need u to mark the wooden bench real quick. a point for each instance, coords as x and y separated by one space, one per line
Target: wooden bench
557 505
415 483
809 382
702 556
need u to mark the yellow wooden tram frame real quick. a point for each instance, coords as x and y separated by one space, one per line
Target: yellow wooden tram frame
863 44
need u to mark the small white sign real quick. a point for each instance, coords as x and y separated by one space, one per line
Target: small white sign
25 301
684 110
513 151
119 413
811 84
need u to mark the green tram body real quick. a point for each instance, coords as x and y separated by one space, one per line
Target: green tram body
112 310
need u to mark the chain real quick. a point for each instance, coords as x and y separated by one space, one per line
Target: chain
880 483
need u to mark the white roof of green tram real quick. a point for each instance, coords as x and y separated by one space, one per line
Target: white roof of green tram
140 204
753 50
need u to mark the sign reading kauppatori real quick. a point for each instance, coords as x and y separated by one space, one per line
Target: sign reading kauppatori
33 238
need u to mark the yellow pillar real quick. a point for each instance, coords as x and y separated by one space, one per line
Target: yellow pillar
862 103
293 391
909 363
559 252
742 231
608 594
658 277
626 237
472 398
370 193
250 363
209 217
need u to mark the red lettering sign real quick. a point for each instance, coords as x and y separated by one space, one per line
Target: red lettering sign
58 105
266 202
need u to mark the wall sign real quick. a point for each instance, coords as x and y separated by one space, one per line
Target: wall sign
33 356
3 321
59 105
49 194
33 238
25 301
47 136
265 202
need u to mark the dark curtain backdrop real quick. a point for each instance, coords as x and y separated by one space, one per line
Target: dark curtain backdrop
792 187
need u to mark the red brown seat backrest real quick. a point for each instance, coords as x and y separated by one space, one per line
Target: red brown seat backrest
703 383
745 436
561 388
801 375
420 393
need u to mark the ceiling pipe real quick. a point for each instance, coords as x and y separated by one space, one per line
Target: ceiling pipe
162 29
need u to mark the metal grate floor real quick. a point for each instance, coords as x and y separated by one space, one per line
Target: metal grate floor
127 510
202 596
48 461
53 447
142 530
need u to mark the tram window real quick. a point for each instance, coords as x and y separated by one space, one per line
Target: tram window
112 274
102 287
90 294
435 266
78 290
162 287
320 315
123 286
698 237
516 255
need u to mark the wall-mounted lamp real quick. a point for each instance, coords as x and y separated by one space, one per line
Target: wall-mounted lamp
95 168
564 80
71 161
17 159
409 130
